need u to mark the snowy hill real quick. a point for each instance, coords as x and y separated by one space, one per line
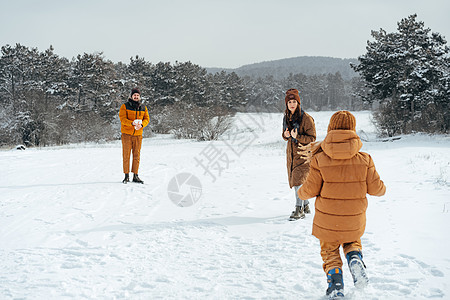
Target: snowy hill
70 229
308 65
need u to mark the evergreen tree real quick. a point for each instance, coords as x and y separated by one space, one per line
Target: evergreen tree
23 87
317 91
407 72
91 78
163 80
14 68
94 98
191 83
336 97
264 94
139 74
53 76
227 91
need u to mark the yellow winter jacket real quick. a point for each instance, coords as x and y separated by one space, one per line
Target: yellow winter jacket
131 111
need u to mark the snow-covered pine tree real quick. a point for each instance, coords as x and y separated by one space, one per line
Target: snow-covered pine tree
163 79
336 97
22 85
90 78
317 86
139 73
13 72
264 94
407 72
227 90
94 97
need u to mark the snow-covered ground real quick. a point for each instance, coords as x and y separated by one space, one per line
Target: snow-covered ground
70 229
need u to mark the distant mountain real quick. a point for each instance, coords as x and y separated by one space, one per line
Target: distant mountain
308 65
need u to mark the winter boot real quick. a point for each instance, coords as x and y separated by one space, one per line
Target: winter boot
335 281
137 179
357 268
306 209
297 214
126 179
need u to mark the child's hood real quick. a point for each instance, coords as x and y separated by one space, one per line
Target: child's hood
341 144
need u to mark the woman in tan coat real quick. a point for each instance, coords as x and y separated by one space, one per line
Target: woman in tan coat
340 177
298 129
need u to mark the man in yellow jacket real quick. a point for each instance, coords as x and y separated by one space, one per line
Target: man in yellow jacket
133 118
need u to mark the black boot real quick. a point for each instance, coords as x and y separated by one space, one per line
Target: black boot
126 179
137 179
335 284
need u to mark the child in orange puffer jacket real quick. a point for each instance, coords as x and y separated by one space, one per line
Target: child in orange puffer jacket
340 177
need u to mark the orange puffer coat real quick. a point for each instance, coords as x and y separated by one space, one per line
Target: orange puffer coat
129 112
340 177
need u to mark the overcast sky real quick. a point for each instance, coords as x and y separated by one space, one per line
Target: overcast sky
210 33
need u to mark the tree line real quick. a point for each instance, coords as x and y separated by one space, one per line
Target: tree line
51 100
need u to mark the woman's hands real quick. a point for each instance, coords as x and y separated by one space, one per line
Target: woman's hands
294 133
288 134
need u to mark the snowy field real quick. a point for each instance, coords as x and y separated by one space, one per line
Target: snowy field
69 229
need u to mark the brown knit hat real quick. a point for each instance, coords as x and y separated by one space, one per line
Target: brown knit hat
342 119
292 94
